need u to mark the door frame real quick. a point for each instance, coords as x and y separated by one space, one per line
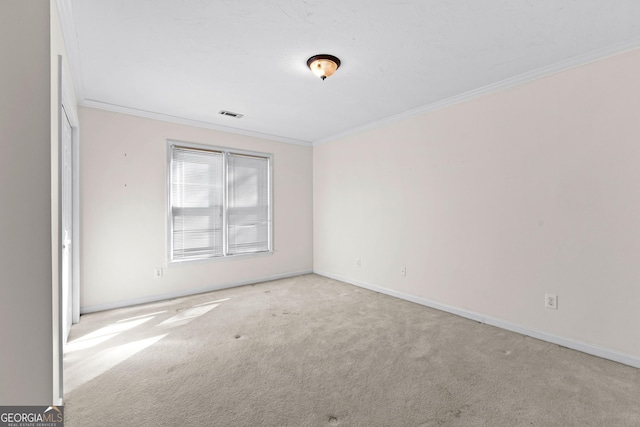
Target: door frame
66 106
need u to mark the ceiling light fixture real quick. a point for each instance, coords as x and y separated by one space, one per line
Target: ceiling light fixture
323 65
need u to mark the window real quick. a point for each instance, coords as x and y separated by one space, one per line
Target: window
219 202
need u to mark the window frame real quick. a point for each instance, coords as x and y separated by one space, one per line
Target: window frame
226 151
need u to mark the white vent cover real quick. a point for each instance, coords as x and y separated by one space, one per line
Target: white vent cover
230 114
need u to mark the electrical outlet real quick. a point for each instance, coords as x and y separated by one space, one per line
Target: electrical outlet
551 301
358 263
157 273
403 271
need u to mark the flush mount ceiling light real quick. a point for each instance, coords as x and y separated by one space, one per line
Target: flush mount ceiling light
323 65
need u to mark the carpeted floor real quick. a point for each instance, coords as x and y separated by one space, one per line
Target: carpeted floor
311 351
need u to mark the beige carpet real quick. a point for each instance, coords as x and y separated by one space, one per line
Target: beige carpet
311 351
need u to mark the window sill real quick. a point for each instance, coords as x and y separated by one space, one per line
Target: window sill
219 259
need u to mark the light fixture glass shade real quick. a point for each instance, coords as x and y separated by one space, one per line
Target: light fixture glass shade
323 66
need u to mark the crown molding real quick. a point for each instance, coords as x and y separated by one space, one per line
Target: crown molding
520 79
71 42
189 122
65 11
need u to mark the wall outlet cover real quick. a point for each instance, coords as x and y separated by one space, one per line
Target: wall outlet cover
551 301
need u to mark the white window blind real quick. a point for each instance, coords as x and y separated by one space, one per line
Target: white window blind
196 203
248 204
219 203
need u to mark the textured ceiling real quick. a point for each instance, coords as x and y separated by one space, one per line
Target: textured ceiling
188 59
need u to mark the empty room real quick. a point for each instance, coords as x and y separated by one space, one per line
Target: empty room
312 213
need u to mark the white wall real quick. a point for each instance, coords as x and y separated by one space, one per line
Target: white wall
123 202
26 359
493 202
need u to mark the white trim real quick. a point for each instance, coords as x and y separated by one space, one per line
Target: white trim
76 243
56 235
179 294
177 263
67 23
539 73
189 122
71 110
564 342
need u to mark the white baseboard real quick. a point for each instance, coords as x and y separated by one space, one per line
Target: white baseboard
564 342
184 293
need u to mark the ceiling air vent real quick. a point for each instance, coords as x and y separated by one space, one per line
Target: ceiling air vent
230 114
